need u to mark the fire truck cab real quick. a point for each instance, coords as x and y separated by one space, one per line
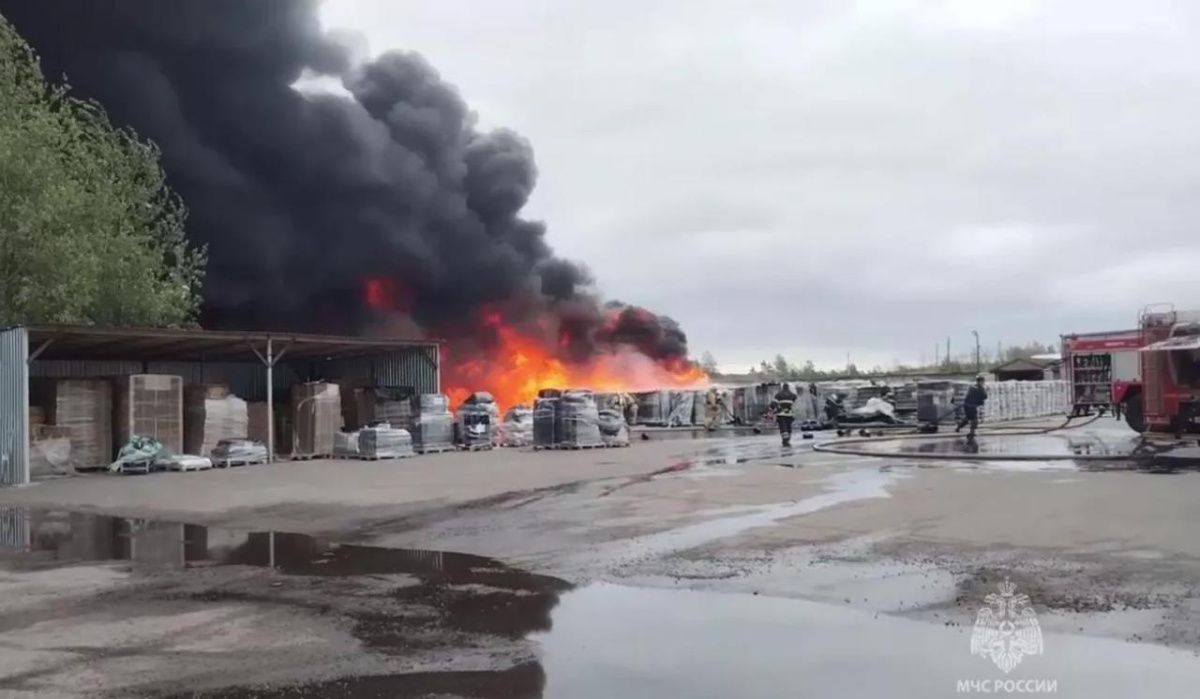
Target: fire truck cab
1167 397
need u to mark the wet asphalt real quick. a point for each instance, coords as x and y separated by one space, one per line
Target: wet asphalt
416 610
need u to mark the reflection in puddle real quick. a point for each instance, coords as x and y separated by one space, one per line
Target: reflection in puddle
615 641
1048 445
433 594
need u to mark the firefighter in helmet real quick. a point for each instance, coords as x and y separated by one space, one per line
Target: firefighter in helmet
976 397
785 401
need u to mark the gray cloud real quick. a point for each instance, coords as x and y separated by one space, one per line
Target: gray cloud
864 177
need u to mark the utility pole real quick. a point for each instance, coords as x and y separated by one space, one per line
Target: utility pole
937 354
947 351
978 364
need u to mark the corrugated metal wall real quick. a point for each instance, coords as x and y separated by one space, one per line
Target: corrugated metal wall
246 380
416 367
14 406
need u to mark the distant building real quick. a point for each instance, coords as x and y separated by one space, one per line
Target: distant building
1040 368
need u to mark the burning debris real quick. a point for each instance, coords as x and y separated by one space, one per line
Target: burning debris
383 209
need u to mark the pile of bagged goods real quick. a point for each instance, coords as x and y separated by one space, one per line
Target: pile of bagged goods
863 403
146 422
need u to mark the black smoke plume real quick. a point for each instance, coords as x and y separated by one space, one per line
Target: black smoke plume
303 199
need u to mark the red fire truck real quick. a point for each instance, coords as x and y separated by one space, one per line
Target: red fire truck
1166 398
1100 367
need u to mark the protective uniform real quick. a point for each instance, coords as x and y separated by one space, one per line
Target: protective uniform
712 409
785 401
976 397
629 406
833 408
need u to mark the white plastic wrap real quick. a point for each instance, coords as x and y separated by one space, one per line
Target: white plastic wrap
580 420
345 444
1016 400
613 430
680 405
385 442
546 422
209 418
433 428
517 428
238 452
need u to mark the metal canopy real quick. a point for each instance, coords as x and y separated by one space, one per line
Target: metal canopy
91 342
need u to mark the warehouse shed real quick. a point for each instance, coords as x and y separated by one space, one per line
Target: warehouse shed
256 366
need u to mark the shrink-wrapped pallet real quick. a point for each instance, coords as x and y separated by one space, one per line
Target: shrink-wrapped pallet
150 406
80 410
546 422
516 430
385 442
613 430
580 420
316 418
210 414
433 427
680 405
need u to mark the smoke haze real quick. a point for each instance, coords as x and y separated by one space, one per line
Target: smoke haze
323 211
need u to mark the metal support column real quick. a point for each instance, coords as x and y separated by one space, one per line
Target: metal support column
270 362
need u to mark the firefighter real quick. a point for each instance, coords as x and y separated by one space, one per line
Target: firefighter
833 408
629 406
713 403
976 397
785 400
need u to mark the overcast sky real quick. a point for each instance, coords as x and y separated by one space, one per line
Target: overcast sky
823 178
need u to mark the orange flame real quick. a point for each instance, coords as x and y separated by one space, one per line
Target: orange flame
518 366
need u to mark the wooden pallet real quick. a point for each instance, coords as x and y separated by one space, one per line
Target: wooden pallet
310 457
436 450
615 446
228 463
361 457
477 447
137 468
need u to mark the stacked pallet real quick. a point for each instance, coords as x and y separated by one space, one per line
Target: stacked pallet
547 420
613 430
433 428
383 442
478 421
151 406
81 412
680 408
212 414
517 428
580 420
316 418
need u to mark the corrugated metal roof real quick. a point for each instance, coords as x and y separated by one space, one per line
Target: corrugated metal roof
93 342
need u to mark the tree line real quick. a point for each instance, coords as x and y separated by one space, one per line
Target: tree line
781 369
89 230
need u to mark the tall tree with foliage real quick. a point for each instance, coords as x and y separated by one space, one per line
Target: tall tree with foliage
89 230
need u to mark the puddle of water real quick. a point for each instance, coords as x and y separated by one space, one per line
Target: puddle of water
476 593
455 593
616 641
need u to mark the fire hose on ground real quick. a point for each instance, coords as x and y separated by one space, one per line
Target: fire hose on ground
847 447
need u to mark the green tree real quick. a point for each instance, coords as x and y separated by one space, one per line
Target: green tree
780 366
89 230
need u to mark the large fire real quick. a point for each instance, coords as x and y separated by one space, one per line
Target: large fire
519 361
518 366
